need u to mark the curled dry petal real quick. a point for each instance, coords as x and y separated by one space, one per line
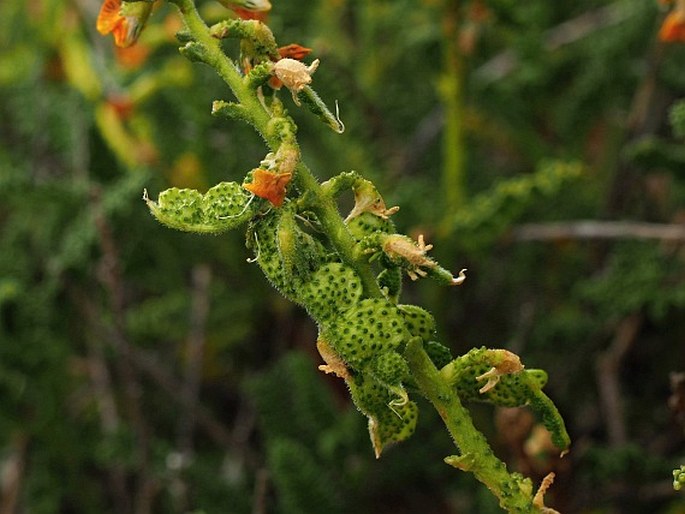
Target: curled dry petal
294 51
673 27
269 185
294 75
509 363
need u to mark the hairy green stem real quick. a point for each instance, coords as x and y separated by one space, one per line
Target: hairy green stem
322 205
514 492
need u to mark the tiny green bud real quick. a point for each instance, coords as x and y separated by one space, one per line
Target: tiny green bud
194 52
313 102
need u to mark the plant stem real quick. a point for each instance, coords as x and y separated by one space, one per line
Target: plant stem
322 205
513 491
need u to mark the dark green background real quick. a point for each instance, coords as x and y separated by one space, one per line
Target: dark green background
145 370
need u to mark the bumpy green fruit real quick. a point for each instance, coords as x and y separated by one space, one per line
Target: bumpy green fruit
331 289
418 321
370 327
262 239
393 426
390 282
438 353
300 253
545 409
287 255
225 206
390 368
512 389
386 424
367 224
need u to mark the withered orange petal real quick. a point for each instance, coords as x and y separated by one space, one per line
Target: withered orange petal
269 185
244 14
673 27
294 51
122 34
109 16
275 83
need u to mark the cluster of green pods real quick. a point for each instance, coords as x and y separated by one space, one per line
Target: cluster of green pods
361 339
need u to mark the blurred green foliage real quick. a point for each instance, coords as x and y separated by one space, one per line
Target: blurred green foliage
117 394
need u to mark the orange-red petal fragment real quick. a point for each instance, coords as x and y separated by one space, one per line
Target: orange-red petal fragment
244 14
124 20
109 17
294 51
269 185
673 28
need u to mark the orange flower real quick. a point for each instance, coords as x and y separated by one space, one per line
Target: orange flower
294 51
125 20
673 28
269 185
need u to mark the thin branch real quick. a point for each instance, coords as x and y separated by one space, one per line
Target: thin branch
195 345
589 229
261 490
147 363
13 469
608 369
101 381
565 33
111 278
201 278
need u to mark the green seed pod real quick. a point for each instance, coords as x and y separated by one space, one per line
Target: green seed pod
548 413
262 239
439 354
194 52
260 74
368 224
184 36
231 110
392 426
300 253
418 321
330 290
225 206
287 255
369 328
509 389
313 102
390 368
387 424
390 282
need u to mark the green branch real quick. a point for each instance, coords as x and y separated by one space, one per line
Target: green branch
322 205
365 336
514 492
